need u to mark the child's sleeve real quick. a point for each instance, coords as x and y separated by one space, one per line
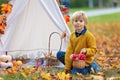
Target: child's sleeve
91 43
69 51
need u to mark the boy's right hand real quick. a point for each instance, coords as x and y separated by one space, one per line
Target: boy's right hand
83 51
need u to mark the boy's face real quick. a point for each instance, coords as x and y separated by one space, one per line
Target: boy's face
78 24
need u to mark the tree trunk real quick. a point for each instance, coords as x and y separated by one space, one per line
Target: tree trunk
100 3
90 3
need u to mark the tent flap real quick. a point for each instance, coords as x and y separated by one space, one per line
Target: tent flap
29 26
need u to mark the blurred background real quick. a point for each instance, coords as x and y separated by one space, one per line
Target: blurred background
89 4
84 4
104 23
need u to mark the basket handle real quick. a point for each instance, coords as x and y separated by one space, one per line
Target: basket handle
50 39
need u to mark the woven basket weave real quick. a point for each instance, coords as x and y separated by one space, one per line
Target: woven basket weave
78 64
51 60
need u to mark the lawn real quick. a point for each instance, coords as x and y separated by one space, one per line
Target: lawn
108 24
82 8
114 17
102 21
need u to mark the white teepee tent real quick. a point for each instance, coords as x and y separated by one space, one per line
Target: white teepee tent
29 26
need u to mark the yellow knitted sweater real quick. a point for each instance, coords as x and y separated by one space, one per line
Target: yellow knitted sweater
75 45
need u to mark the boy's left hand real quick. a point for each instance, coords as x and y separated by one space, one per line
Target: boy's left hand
83 51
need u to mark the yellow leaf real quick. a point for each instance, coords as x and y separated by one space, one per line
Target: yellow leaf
24 75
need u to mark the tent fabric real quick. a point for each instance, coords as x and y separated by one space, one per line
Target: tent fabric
29 26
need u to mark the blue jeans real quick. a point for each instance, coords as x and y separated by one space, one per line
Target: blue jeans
96 67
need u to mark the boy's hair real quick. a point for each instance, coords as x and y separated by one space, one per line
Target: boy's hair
80 14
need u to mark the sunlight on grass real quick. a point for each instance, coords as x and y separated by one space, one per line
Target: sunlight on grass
100 20
84 9
114 17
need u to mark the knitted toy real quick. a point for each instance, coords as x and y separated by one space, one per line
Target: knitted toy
5 61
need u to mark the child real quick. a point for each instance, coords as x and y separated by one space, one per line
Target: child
81 41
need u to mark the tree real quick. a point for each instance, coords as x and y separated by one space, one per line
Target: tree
100 3
90 3
78 3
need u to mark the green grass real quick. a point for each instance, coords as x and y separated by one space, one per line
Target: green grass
111 73
114 17
18 77
30 76
83 8
107 18
71 10
10 77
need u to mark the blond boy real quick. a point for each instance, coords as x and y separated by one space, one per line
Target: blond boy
81 41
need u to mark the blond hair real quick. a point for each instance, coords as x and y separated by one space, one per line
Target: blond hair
80 15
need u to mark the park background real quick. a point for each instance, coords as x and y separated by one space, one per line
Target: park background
106 28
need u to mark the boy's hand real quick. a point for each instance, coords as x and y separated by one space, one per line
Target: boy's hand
63 35
83 51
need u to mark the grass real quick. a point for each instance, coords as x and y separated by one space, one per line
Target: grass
111 73
106 22
114 17
83 8
9 77
102 19
53 71
19 76
71 10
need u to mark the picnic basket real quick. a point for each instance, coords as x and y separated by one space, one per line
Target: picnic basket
50 59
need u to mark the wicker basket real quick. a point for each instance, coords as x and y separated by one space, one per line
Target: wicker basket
51 60
48 61
78 64
23 59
